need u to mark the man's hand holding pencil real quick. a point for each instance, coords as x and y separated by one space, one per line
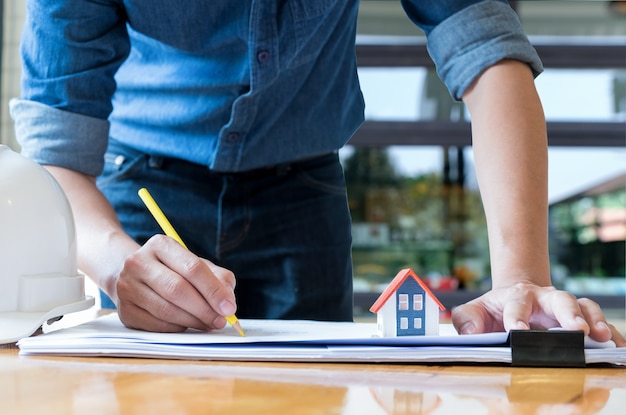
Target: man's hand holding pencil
166 288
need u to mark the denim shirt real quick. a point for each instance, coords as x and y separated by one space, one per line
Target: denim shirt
230 84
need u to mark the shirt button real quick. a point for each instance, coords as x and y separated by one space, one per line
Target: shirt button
233 136
119 160
263 56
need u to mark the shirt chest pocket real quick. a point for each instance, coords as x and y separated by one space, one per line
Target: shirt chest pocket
306 25
303 10
197 26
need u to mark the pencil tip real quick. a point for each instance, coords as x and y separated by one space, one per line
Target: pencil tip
232 320
237 327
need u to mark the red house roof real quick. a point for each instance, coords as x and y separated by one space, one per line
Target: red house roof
395 283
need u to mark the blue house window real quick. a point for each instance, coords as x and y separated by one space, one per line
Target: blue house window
403 302
418 302
417 323
404 323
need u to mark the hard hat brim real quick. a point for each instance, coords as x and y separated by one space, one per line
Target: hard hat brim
18 325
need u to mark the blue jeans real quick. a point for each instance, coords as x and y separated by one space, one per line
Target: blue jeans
284 231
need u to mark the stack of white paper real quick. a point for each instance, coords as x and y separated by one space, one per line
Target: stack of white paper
287 340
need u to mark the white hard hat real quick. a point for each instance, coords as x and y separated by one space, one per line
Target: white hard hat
39 278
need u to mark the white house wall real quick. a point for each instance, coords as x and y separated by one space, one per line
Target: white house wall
432 317
387 318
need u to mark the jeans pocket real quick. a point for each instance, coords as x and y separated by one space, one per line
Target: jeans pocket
119 165
324 174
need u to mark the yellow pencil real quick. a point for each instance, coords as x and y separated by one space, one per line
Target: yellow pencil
167 227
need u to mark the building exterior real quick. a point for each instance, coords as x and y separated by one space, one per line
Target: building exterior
588 230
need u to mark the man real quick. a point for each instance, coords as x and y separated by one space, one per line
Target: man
231 112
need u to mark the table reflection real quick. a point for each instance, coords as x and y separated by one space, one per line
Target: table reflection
534 391
138 386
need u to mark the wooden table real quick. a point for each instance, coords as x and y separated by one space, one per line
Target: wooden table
96 386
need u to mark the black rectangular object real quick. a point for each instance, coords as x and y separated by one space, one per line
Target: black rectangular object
547 348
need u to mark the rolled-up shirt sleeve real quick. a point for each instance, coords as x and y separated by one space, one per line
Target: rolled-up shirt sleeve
52 136
70 52
471 37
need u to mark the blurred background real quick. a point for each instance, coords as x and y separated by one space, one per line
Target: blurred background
410 170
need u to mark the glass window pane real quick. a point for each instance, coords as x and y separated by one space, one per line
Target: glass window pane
418 302
403 302
404 323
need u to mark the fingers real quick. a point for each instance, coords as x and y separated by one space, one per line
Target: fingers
497 310
150 303
578 314
516 316
530 306
165 287
592 313
525 306
226 276
467 319
617 337
559 309
198 283
477 316
135 317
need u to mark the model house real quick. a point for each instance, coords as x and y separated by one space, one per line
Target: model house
407 307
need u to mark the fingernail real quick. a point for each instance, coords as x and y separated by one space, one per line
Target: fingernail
227 308
602 326
581 321
468 328
520 325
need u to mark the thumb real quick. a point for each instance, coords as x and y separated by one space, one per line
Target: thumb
471 318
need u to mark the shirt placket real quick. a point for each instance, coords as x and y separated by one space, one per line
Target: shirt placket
263 56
